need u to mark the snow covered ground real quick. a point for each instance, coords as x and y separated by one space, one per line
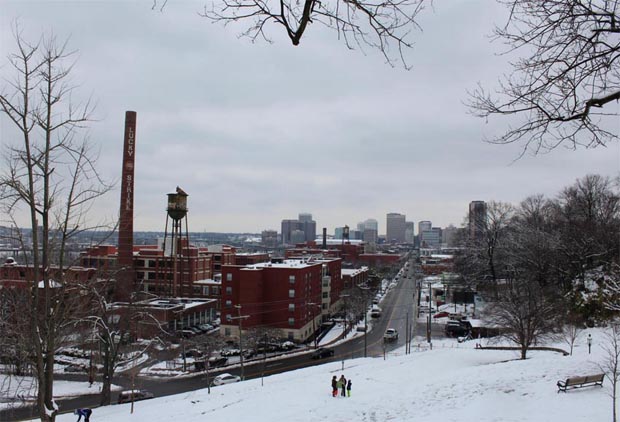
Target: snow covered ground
25 389
452 382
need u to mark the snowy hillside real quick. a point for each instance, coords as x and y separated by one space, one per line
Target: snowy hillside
452 382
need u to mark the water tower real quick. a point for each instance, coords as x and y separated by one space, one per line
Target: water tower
177 212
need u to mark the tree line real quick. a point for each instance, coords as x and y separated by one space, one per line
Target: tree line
547 261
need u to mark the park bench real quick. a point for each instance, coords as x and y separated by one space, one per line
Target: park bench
578 382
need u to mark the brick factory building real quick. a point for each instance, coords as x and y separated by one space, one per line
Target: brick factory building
154 270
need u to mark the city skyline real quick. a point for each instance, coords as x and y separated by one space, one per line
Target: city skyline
345 136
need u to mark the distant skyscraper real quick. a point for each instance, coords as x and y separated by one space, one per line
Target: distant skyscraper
409 228
395 228
424 226
372 224
305 217
288 226
370 230
424 233
477 219
448 236
304 223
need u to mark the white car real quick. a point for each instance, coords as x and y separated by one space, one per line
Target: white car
225 379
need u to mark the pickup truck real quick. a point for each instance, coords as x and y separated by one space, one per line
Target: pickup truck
390 335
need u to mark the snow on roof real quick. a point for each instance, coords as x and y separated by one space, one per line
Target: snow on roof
287 263
353 271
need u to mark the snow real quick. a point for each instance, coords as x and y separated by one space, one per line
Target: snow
25 389
451 382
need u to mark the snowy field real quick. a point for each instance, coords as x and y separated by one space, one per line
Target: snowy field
452 382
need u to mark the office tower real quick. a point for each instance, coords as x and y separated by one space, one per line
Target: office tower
477 219
304 223
395 228
409 228
448 236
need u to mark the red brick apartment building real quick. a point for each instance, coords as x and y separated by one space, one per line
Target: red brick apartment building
290 295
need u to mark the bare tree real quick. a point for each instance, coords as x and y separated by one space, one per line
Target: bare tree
523 312
483 259
571 331
385 26
115 327
611 363
50 175
562 89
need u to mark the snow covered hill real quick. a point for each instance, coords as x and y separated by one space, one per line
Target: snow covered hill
452 382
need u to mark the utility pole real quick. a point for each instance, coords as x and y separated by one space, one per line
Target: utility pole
344 328
407 335
430 308
316 337
240 318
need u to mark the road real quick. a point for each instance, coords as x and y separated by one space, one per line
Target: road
399 306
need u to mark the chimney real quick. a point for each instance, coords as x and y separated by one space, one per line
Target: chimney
324 237
125 226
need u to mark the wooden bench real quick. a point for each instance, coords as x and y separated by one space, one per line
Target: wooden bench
578 382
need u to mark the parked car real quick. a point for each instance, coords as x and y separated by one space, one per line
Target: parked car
216 361
75 368
128 396
193 353
375 313
322 352
390 335
287 345
360 328
225 379
456 329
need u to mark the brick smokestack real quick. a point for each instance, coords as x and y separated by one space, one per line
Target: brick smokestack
324 237
125 227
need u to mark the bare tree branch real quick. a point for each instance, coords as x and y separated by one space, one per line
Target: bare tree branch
560 92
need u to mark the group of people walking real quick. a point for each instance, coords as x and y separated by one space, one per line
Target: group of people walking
341 385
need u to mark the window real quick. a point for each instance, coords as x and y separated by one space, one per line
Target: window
291 335
291 307
228 276
227 331
228 290
325 295
291 293
291 279
229 303
291 322
228 317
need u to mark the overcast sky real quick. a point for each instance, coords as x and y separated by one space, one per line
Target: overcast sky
256 133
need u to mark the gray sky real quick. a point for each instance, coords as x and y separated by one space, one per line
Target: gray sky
256 133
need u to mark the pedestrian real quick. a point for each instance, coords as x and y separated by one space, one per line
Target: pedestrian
349 388
334 386
83 412
343 386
